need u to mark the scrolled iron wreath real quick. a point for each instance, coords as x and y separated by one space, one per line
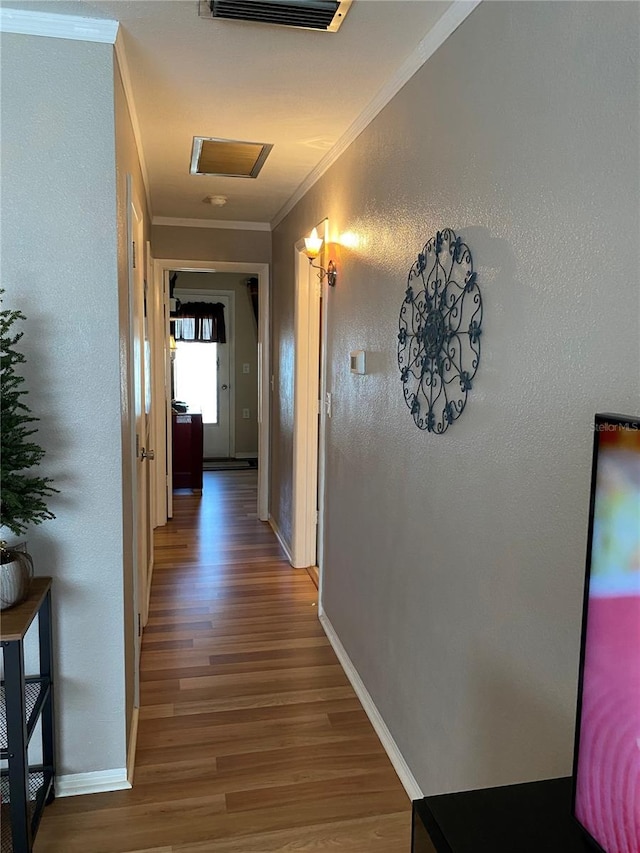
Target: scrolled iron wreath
439 336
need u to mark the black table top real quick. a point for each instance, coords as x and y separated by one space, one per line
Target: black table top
532 817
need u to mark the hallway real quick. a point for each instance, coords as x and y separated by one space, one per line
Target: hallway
251 739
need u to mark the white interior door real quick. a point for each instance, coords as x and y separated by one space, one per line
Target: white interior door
216 434
141 399
305 425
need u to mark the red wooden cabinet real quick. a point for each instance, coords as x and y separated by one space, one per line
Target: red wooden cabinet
187 451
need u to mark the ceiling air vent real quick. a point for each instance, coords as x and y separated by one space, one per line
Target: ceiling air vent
230 158
324 15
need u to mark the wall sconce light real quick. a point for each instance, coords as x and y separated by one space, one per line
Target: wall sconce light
312 246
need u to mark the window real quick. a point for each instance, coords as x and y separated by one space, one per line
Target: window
196 378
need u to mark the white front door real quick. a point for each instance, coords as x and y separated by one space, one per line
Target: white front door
216 432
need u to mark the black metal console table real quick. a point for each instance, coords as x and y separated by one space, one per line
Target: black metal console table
25 700
532 817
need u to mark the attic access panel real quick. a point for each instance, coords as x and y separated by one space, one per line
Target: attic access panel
326 15
229 158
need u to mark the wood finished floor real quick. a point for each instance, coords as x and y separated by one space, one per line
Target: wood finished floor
251 739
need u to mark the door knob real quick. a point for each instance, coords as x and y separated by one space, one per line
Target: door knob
224 387
147 454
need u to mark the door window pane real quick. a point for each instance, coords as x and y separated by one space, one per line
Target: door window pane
196 378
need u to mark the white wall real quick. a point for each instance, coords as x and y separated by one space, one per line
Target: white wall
59 266
454 563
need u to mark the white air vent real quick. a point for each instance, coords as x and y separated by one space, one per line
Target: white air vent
324 15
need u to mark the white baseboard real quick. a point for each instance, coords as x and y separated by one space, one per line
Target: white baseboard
280 538
253 455
133 740
92 783
390 746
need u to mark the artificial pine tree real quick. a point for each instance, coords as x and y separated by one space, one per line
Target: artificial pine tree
23 493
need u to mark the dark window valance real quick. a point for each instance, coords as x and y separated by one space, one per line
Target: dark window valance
252 287
200 321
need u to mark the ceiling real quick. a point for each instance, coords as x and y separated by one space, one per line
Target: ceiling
299 90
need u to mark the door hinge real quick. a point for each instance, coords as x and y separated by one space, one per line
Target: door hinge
317 516
133 253
139 625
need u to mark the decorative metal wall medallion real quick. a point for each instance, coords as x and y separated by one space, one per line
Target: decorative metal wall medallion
439 337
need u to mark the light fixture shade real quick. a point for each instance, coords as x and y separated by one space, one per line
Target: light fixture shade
312 244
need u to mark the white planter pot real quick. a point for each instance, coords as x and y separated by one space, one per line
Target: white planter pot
15 578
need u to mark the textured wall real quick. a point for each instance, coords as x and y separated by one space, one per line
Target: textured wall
246 349
454 564
59 267
210 244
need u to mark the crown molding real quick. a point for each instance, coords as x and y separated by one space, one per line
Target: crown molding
437 35
211 223
57 26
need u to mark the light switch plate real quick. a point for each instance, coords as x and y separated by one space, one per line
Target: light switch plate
357 361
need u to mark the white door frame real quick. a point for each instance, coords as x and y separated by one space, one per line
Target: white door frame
308 430
165 483
162 266
159 348
204 295
322 426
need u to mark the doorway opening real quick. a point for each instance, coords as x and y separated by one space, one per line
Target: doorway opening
311 410
205 376
236 402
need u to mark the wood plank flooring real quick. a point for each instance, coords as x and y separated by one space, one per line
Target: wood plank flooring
251 739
